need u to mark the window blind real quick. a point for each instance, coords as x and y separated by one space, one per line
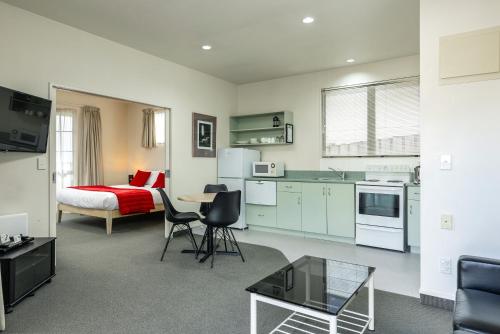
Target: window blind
379 119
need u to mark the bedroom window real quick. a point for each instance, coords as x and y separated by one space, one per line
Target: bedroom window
65 176
160 127
377 119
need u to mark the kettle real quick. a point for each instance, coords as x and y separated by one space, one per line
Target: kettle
417 175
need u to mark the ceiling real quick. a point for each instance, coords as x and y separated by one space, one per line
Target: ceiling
252 40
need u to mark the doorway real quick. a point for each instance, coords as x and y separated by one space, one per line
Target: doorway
121 141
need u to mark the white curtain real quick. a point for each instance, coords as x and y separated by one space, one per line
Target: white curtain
90 167
148 128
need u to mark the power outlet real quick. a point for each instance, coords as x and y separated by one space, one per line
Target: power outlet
445 265
446 222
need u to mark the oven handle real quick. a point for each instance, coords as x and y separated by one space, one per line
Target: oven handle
377 228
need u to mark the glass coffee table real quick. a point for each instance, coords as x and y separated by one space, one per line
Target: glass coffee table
317 291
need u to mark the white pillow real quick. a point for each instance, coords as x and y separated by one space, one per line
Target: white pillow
152 178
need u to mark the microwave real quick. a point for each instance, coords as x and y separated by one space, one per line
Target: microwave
268 169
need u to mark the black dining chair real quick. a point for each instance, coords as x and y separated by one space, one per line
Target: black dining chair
179 220
211 188
205 207
224 211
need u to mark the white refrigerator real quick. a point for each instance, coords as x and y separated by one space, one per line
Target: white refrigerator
233 166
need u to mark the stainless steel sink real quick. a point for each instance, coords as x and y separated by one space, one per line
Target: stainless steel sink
325 179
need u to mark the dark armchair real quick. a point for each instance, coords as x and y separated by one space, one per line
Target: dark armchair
477 303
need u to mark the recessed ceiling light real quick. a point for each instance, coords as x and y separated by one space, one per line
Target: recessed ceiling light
350 60
206 47
308 19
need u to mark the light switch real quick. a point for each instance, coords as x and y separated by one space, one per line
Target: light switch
446 222
41 163
446 162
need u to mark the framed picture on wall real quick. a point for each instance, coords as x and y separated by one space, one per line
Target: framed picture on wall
289 133
204 136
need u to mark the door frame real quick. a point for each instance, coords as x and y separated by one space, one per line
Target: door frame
53 87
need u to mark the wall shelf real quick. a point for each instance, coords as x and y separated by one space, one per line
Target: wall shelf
260 144
258 129
246 127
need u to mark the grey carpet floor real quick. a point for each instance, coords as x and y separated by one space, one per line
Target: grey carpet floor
118 285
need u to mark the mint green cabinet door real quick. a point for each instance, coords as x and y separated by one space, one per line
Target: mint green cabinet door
288 214
261 215
314 207
341 210
414 223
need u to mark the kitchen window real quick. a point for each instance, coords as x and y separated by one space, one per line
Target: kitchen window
376 119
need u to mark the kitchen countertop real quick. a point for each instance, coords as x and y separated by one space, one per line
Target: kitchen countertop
314 180
309 180
318 177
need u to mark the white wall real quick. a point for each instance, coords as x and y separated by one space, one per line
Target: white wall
462 120
302 95
37 51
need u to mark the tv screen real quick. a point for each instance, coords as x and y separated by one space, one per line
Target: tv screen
24 122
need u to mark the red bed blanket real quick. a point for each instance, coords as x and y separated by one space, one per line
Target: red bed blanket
129 200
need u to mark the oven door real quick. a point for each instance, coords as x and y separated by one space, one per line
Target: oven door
380 206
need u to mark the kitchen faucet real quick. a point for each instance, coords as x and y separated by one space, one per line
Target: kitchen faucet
339 173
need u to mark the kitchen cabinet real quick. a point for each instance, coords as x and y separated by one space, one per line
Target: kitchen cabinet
413 216
294 187
341 209
260 192
310 207
261 215
314 213
289 210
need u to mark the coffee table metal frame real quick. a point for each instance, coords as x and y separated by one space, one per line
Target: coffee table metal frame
336 324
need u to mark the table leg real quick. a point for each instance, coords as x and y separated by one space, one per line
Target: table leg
371 304
253 314
333 324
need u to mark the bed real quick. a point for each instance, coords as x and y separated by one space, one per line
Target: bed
99 204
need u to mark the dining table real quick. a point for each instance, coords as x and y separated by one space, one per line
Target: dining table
205 198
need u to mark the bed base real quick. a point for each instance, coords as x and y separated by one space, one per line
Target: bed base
109 215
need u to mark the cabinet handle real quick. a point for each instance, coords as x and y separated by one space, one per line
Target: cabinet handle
288 187
324 191
298 200
411 209
260 215
329 191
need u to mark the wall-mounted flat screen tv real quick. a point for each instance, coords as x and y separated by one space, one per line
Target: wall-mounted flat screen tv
24 122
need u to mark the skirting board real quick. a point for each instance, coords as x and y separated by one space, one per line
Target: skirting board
438 302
